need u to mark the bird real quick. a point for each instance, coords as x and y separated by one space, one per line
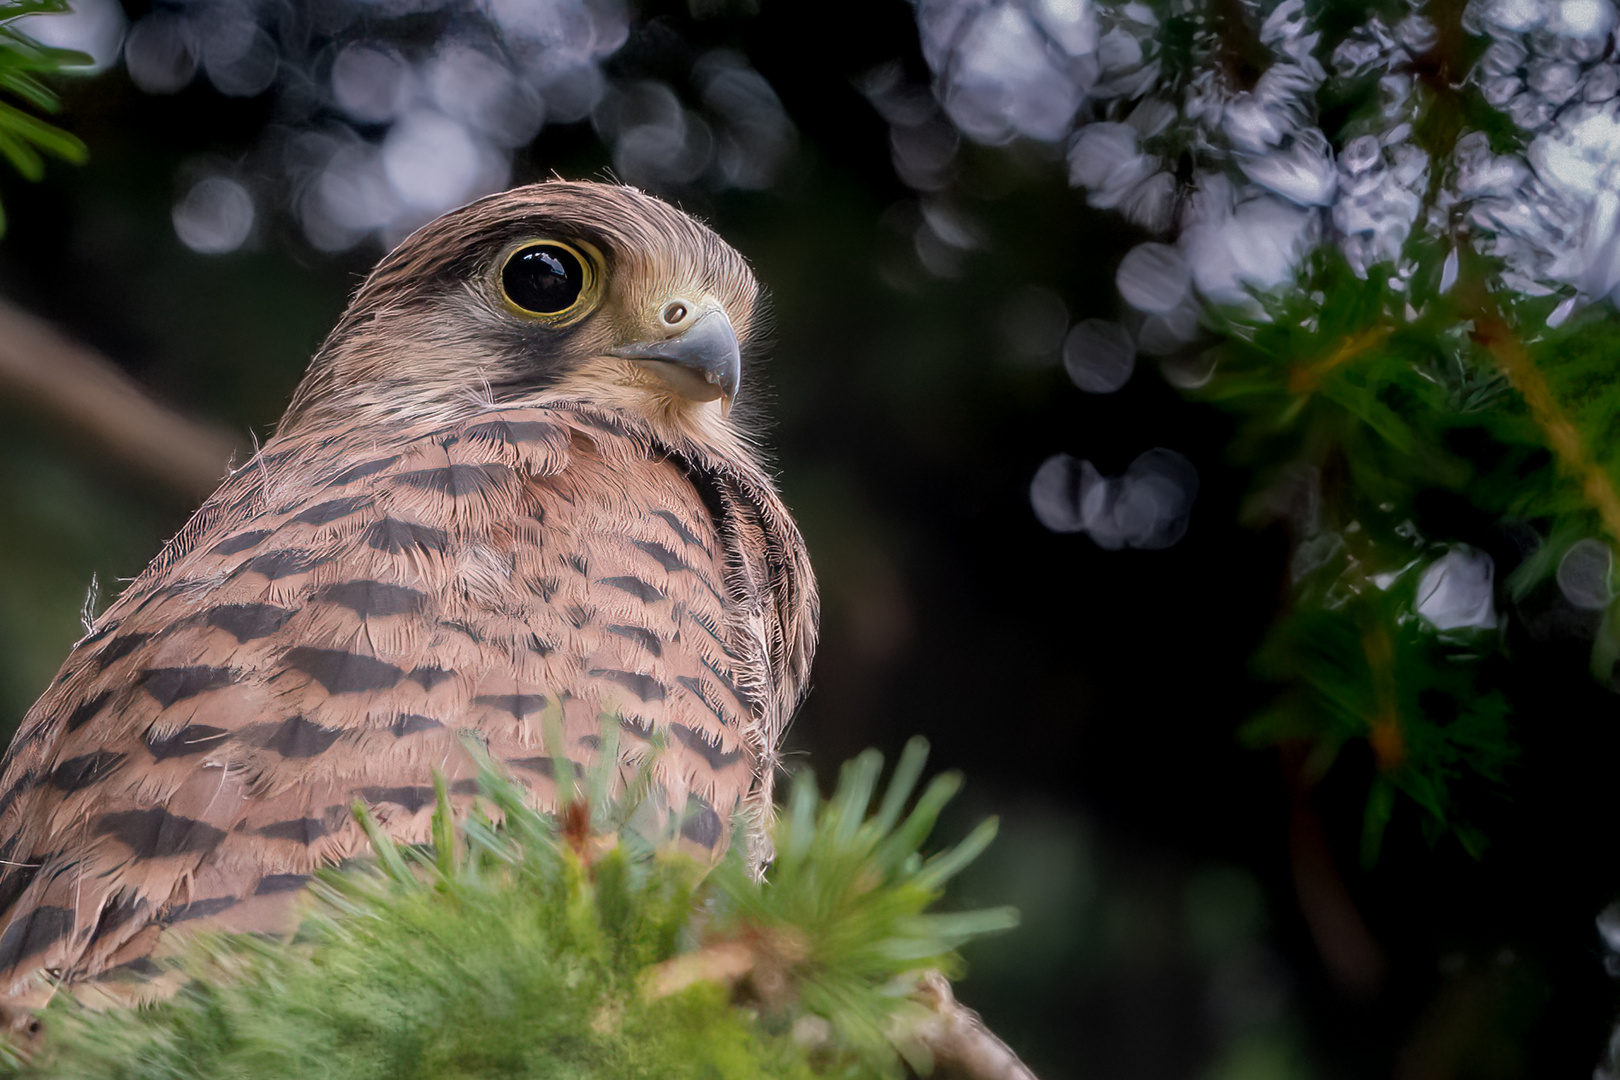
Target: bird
511 495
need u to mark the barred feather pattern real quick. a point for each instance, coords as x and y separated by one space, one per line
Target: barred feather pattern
340 616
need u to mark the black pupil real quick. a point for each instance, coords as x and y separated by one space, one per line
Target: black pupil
545 279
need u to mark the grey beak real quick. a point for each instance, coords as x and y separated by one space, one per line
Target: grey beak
702 362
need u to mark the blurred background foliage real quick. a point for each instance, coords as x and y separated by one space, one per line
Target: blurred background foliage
1216 876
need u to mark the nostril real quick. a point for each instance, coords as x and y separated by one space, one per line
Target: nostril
674 313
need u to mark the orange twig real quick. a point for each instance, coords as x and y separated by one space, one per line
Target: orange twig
953 1035
1562 437
1389 747
1307 378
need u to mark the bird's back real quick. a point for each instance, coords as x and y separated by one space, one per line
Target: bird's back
333 624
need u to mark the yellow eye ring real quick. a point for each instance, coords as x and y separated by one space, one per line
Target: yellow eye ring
550 280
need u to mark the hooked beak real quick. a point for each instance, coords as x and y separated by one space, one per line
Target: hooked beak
701 362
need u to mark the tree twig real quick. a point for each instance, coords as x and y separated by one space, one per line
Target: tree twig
1343 940
42 368
725 962
1493 332
1305 379
962 1047
961 1044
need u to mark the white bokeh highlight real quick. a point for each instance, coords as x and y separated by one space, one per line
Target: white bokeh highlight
1586 575
1455 592
1148 507
93 27
215 217
1099 356
381 128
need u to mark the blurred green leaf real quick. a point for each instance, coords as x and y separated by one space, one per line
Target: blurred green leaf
25 138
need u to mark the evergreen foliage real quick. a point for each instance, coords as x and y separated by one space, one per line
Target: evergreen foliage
1384 237
521 944
25 140
1363 408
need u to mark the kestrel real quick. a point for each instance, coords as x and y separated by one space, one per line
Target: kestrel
509 497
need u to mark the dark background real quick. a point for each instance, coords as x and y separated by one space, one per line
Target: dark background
1092 698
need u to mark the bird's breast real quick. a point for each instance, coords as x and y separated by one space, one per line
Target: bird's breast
338 623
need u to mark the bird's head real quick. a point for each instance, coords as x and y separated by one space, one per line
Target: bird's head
593 292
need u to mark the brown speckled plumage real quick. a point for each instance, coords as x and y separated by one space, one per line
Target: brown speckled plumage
467 522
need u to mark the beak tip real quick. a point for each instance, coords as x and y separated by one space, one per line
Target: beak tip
707 349
729 381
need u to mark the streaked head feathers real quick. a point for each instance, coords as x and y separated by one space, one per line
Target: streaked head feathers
664 297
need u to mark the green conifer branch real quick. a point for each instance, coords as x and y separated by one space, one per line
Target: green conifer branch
1560 434
25 140
521 944
1369 382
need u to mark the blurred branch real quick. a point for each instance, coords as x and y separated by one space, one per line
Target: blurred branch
960 1042
42 368
1347 947
961 1046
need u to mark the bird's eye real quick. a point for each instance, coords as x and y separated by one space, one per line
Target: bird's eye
546 279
